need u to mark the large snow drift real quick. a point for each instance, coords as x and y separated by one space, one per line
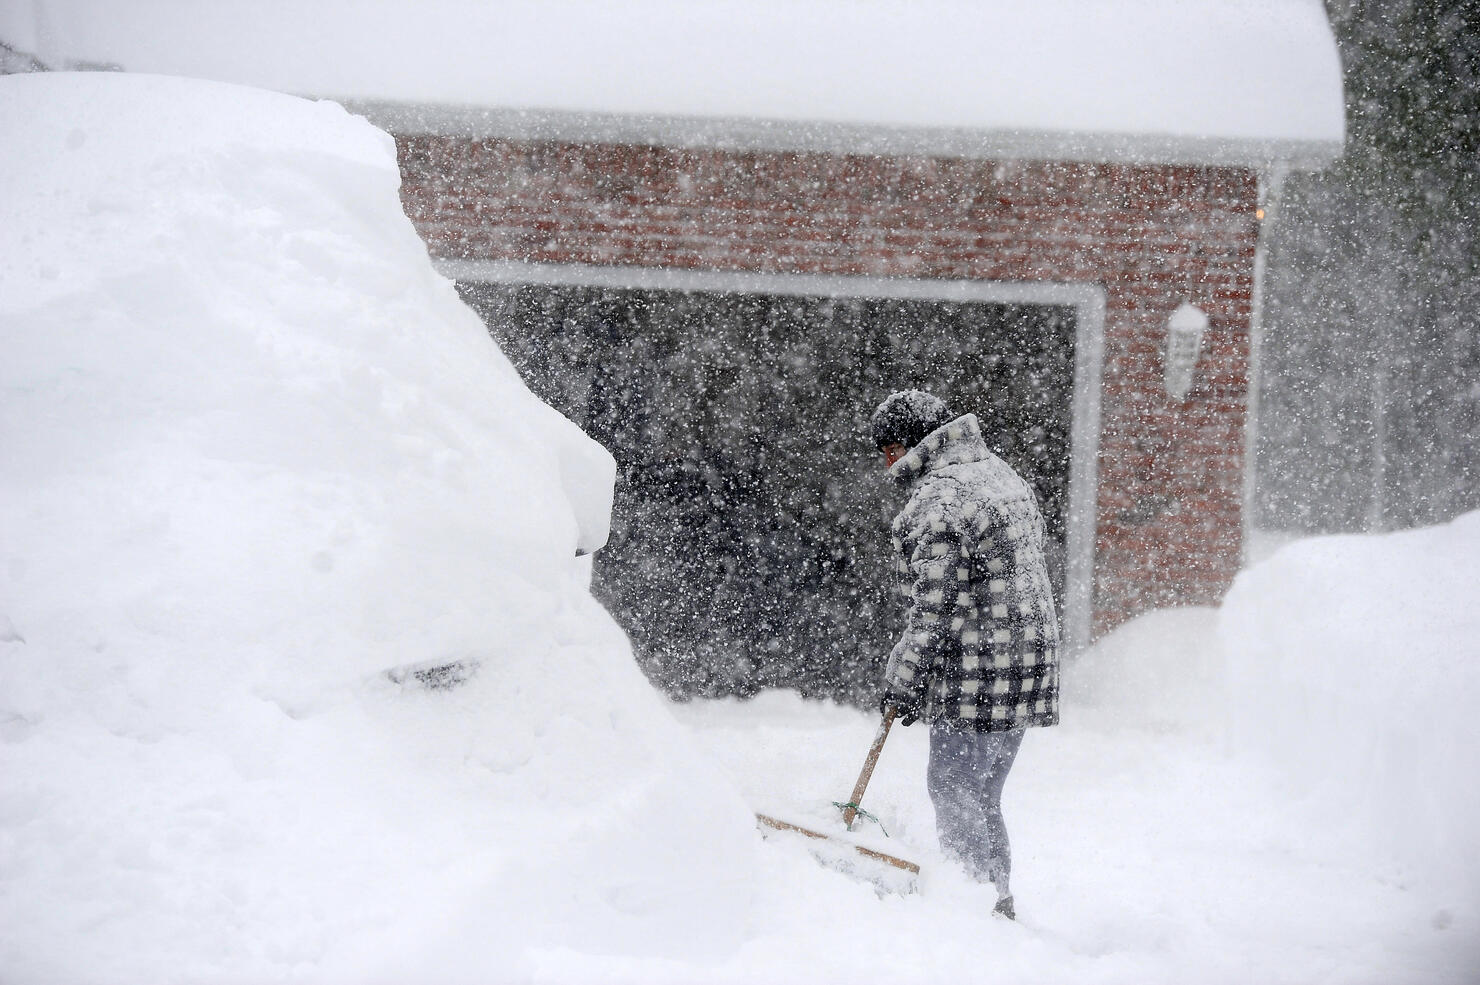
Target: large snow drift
256 453
1350 667
1355 665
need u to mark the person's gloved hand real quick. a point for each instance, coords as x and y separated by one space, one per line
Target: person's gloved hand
906 707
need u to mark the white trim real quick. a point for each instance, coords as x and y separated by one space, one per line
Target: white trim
478 122
1087 300
1084 470
1271 183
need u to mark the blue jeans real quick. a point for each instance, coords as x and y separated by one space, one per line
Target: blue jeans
965 777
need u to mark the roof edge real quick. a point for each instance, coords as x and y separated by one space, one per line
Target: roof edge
478 122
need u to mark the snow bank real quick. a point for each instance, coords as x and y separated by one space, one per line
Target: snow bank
1349 667
1161 672
257 453
1354 662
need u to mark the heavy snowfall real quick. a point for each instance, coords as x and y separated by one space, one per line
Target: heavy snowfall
302 677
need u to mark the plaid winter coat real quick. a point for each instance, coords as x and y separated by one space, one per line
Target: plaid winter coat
980 645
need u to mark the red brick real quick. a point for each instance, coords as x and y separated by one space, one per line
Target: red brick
1153 236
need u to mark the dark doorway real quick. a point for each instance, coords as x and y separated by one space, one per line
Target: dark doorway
750 527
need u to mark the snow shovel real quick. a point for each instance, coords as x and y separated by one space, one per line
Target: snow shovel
852 808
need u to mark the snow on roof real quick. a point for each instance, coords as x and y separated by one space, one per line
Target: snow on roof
1211 81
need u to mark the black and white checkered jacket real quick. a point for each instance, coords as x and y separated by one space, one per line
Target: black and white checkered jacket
980 645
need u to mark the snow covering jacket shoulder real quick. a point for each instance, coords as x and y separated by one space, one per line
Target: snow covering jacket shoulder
980 644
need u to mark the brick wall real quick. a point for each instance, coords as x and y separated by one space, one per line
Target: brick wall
1170 472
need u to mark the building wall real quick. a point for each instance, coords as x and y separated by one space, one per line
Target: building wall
1170 472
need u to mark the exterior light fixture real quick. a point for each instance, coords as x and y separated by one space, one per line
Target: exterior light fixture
1184 344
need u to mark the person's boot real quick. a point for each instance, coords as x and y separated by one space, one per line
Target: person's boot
1004 908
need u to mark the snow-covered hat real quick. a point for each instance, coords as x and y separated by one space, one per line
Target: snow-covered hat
907 417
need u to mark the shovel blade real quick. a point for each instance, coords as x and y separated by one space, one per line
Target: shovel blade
842 850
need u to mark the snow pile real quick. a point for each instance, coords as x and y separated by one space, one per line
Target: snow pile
257 453
1348 669
1158 673
1354 663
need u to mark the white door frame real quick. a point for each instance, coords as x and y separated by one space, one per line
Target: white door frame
1087 300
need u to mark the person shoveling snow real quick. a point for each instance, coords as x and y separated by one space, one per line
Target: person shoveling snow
978 656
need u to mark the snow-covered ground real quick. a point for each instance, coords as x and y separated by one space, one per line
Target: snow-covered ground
257 453
1163 833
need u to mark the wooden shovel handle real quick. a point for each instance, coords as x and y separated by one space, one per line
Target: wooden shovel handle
850 812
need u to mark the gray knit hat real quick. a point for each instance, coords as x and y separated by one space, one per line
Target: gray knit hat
907 417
